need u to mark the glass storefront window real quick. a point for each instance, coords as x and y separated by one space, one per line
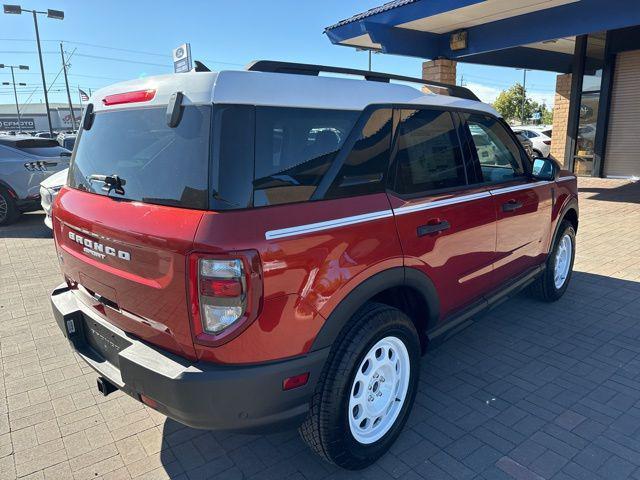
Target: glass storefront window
589 103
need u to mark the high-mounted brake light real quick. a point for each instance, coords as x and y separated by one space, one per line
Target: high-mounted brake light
226 294
129 97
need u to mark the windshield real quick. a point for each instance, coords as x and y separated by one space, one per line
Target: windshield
154 163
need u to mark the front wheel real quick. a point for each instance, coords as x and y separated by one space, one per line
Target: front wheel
554 281
366 390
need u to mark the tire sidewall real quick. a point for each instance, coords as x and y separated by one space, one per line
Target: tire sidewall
367 452
12 211
565 229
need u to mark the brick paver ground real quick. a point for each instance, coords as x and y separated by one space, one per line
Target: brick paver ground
528 391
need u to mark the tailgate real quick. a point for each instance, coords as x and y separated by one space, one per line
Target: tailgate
129 261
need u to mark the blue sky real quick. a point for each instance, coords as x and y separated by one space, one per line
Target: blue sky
118 40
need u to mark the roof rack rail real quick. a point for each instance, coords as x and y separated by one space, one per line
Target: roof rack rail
274 66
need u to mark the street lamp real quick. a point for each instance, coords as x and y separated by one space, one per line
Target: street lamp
15 93
56 15
524 91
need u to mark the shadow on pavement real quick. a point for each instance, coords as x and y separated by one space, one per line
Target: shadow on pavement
29 225
518 382
625 193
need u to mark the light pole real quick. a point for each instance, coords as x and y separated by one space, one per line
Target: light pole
15 92
55 14
524 92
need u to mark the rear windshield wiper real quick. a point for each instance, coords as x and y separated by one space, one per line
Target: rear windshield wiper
111 182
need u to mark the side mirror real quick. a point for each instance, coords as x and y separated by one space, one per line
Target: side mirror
544 169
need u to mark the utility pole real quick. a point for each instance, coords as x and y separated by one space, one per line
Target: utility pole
66 82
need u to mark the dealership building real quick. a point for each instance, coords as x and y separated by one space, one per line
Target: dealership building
593 46
33 117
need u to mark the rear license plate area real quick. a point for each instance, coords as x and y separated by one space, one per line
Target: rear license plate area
103 341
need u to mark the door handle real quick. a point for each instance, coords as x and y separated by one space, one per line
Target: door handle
511 206
433 226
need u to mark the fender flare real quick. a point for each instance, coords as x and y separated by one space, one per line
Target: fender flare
9 189
571 203
393 277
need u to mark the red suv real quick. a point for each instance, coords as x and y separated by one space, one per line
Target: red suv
244 250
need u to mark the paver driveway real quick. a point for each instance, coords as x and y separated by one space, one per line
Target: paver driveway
528 391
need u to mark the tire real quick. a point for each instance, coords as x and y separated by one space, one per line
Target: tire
537 154
8 210
549 287
334 427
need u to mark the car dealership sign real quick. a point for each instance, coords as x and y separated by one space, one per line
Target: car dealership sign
11 123
182 58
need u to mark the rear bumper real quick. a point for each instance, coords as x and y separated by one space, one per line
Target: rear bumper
198 394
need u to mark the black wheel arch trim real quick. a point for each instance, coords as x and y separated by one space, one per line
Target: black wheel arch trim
571 204
8 188
393 277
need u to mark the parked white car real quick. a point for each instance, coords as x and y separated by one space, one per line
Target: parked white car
541 142
48 191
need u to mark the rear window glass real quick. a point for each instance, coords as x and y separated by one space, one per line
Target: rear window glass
161 165
42 147
294 147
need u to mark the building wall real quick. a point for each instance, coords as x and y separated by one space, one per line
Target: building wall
561 118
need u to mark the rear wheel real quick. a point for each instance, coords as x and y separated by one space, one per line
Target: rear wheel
554 281
367 389
8 209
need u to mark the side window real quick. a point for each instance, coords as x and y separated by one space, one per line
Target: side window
294 148
428 152
365 168
498 154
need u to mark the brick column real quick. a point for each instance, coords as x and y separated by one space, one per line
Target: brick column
440 70
561 118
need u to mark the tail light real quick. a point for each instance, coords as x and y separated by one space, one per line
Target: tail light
225 293
547 142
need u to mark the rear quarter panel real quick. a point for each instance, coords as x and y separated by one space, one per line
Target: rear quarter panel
305 275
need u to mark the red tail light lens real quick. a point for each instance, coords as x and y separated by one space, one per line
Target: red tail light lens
547 142
226 294
295 381
129 97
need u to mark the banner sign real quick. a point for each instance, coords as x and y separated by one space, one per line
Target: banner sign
182 58
11 124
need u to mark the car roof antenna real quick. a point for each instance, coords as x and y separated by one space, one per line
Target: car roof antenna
201 67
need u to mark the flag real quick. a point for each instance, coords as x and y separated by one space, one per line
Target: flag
83 95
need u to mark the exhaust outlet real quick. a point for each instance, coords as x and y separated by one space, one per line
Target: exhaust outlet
105 387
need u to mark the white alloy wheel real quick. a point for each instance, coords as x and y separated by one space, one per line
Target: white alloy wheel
379 390
563 261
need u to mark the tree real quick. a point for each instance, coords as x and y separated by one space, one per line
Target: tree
509 103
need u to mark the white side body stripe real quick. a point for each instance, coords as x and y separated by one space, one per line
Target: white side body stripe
367 217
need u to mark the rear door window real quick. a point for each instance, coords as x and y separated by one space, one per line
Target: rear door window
160 165
294 148
428 152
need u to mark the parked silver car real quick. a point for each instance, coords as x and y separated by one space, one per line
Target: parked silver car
24 163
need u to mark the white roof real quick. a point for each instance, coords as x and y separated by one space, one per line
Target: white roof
278 89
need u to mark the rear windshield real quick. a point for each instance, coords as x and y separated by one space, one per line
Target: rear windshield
42 147
159 164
